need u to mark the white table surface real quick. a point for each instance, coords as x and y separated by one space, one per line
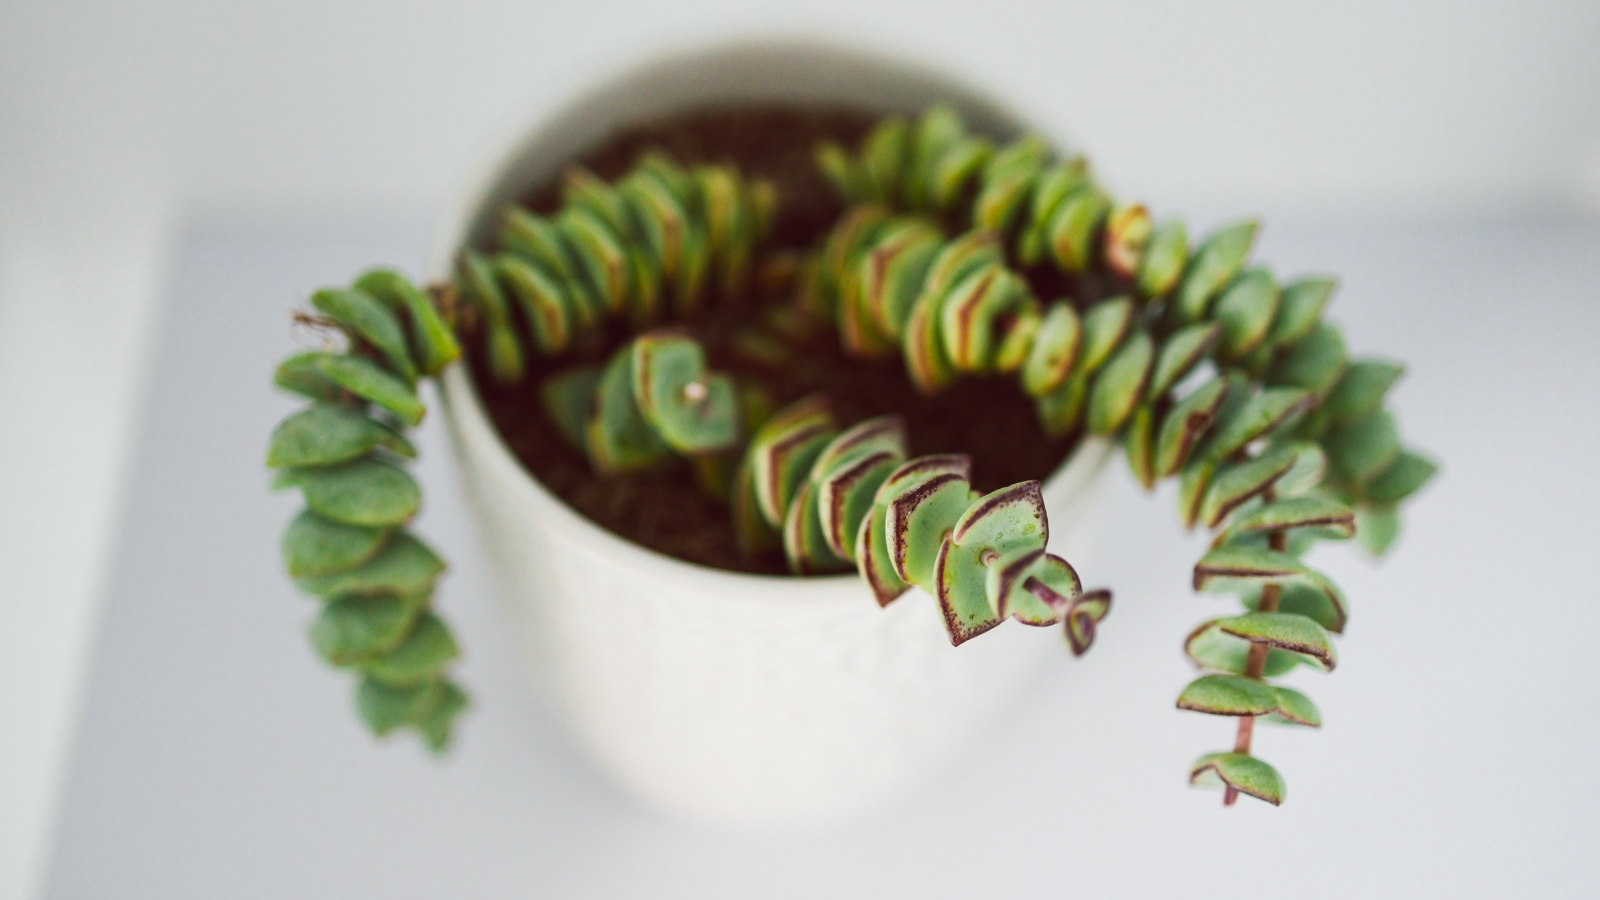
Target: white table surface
217 758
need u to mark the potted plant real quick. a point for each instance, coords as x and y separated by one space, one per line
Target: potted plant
776 371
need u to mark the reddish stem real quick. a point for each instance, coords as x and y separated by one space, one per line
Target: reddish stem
1256 662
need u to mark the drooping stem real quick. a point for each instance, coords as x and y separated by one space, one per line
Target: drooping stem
1255 663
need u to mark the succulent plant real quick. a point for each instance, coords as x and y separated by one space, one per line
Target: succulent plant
1281 441
836 498
350 547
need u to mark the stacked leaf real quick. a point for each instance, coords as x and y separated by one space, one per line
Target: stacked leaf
837 498
350 547
656 244
1280 440
652 399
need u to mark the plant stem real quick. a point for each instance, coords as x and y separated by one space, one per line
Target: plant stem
1256 662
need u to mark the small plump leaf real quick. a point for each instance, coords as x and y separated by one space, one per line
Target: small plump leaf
1053 187
1119 387
545 306
992 530
1184 425
433 344
364 491
370 320
1062 410
568 399
618 436
1139 442
1236 483
1323 516
1316 363
405 565
1310 469
1228 695
1259 416
968 314
1314 597
1194 482
1362 451
1295 708
1083 617
361 377
1360 391
1404 477
1180 353
693 410
328 434
1211 648
313 545
892 274
1164 259
865 438
476 278
1126 236
783 450
1215 263
385 707
845 497
1299 308
926 363
872 556
1285 631
751 530
1105 325
1234 562
918 521
1240 771
351 628
418 657
1072 230
1246 310
804 542
1377 526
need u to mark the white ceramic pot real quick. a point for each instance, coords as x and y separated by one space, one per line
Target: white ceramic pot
725 697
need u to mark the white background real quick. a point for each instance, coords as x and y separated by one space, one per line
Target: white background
123 125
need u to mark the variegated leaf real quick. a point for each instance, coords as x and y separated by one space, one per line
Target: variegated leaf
926 364
1228 695
1289 632
872 556
918 522
1073 228
1209 647
751 530
1246 310
1215 263
1139 441
804 543
1053 186
1185 424
1126 236
892 274
783 451
1007 182
993 529
957 166
1236 483
1054 351
1239 771
1180 353
1082 618
968 314
1164 259
694 411
1120 385
1322 516
618 436
845 497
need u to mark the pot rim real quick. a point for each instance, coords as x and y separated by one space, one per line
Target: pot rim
498 173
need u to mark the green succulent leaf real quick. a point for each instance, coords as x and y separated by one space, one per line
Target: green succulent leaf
1310 469
1314 597
433 343
1061 411
1322 516
1127 233
955 169
1184 425
352 628
1120 386
418 657
1180 353
1194 483
840 169
1377 526
328 434
568 399
404 565
1215 263
1164 259
1139 441
872 556
892 274
783 450
1240 771
1316 363
1105 325
986 534
1360 391
845 498
883 157
1073 228
1082 617
313 545
1246 311
694 411
363 491
1299 310
751 530
1236 483
618 436
475 275
369 319
1228 695
968 315
1404 477
1295 708
599 255
1362 451
544 302
361 377
1284 631
1054 185
1209 647
918 522
1054 351
1259 416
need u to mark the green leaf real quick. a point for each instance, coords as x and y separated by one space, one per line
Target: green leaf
1139 441
872 555
695 412
892 273
935 132
1313 596
1258 417
1127 233
568 399
364 491
1231 562
996 527
1360 391
545 306
845 497
1215 263
804 541
1007 182
1105 325
351 628
1246 310
385 707
367 318
362 377
1164 259
1055 349
405 565
1361 452
751 530
328 434
1185 424
967 317
1323 516
1228 695
883 157
955 169
435 721
1285 631
1121 384
418 657
1194 482
926 364
1083 615
600 255
1299 309
1240 771
841 171
1061 411
1377 526
1209 647
1073 228
476 278
783 451
433 344
1295 708
1054 185
545 245
1404 477
1316 363
1310 468
1238 482
313 545
1180 353
618 436
917 523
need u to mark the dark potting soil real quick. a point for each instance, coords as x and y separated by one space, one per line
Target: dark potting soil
990 419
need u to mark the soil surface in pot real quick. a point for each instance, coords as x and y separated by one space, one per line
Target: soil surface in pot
989 419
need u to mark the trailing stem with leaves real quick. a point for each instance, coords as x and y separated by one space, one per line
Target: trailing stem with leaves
962 258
